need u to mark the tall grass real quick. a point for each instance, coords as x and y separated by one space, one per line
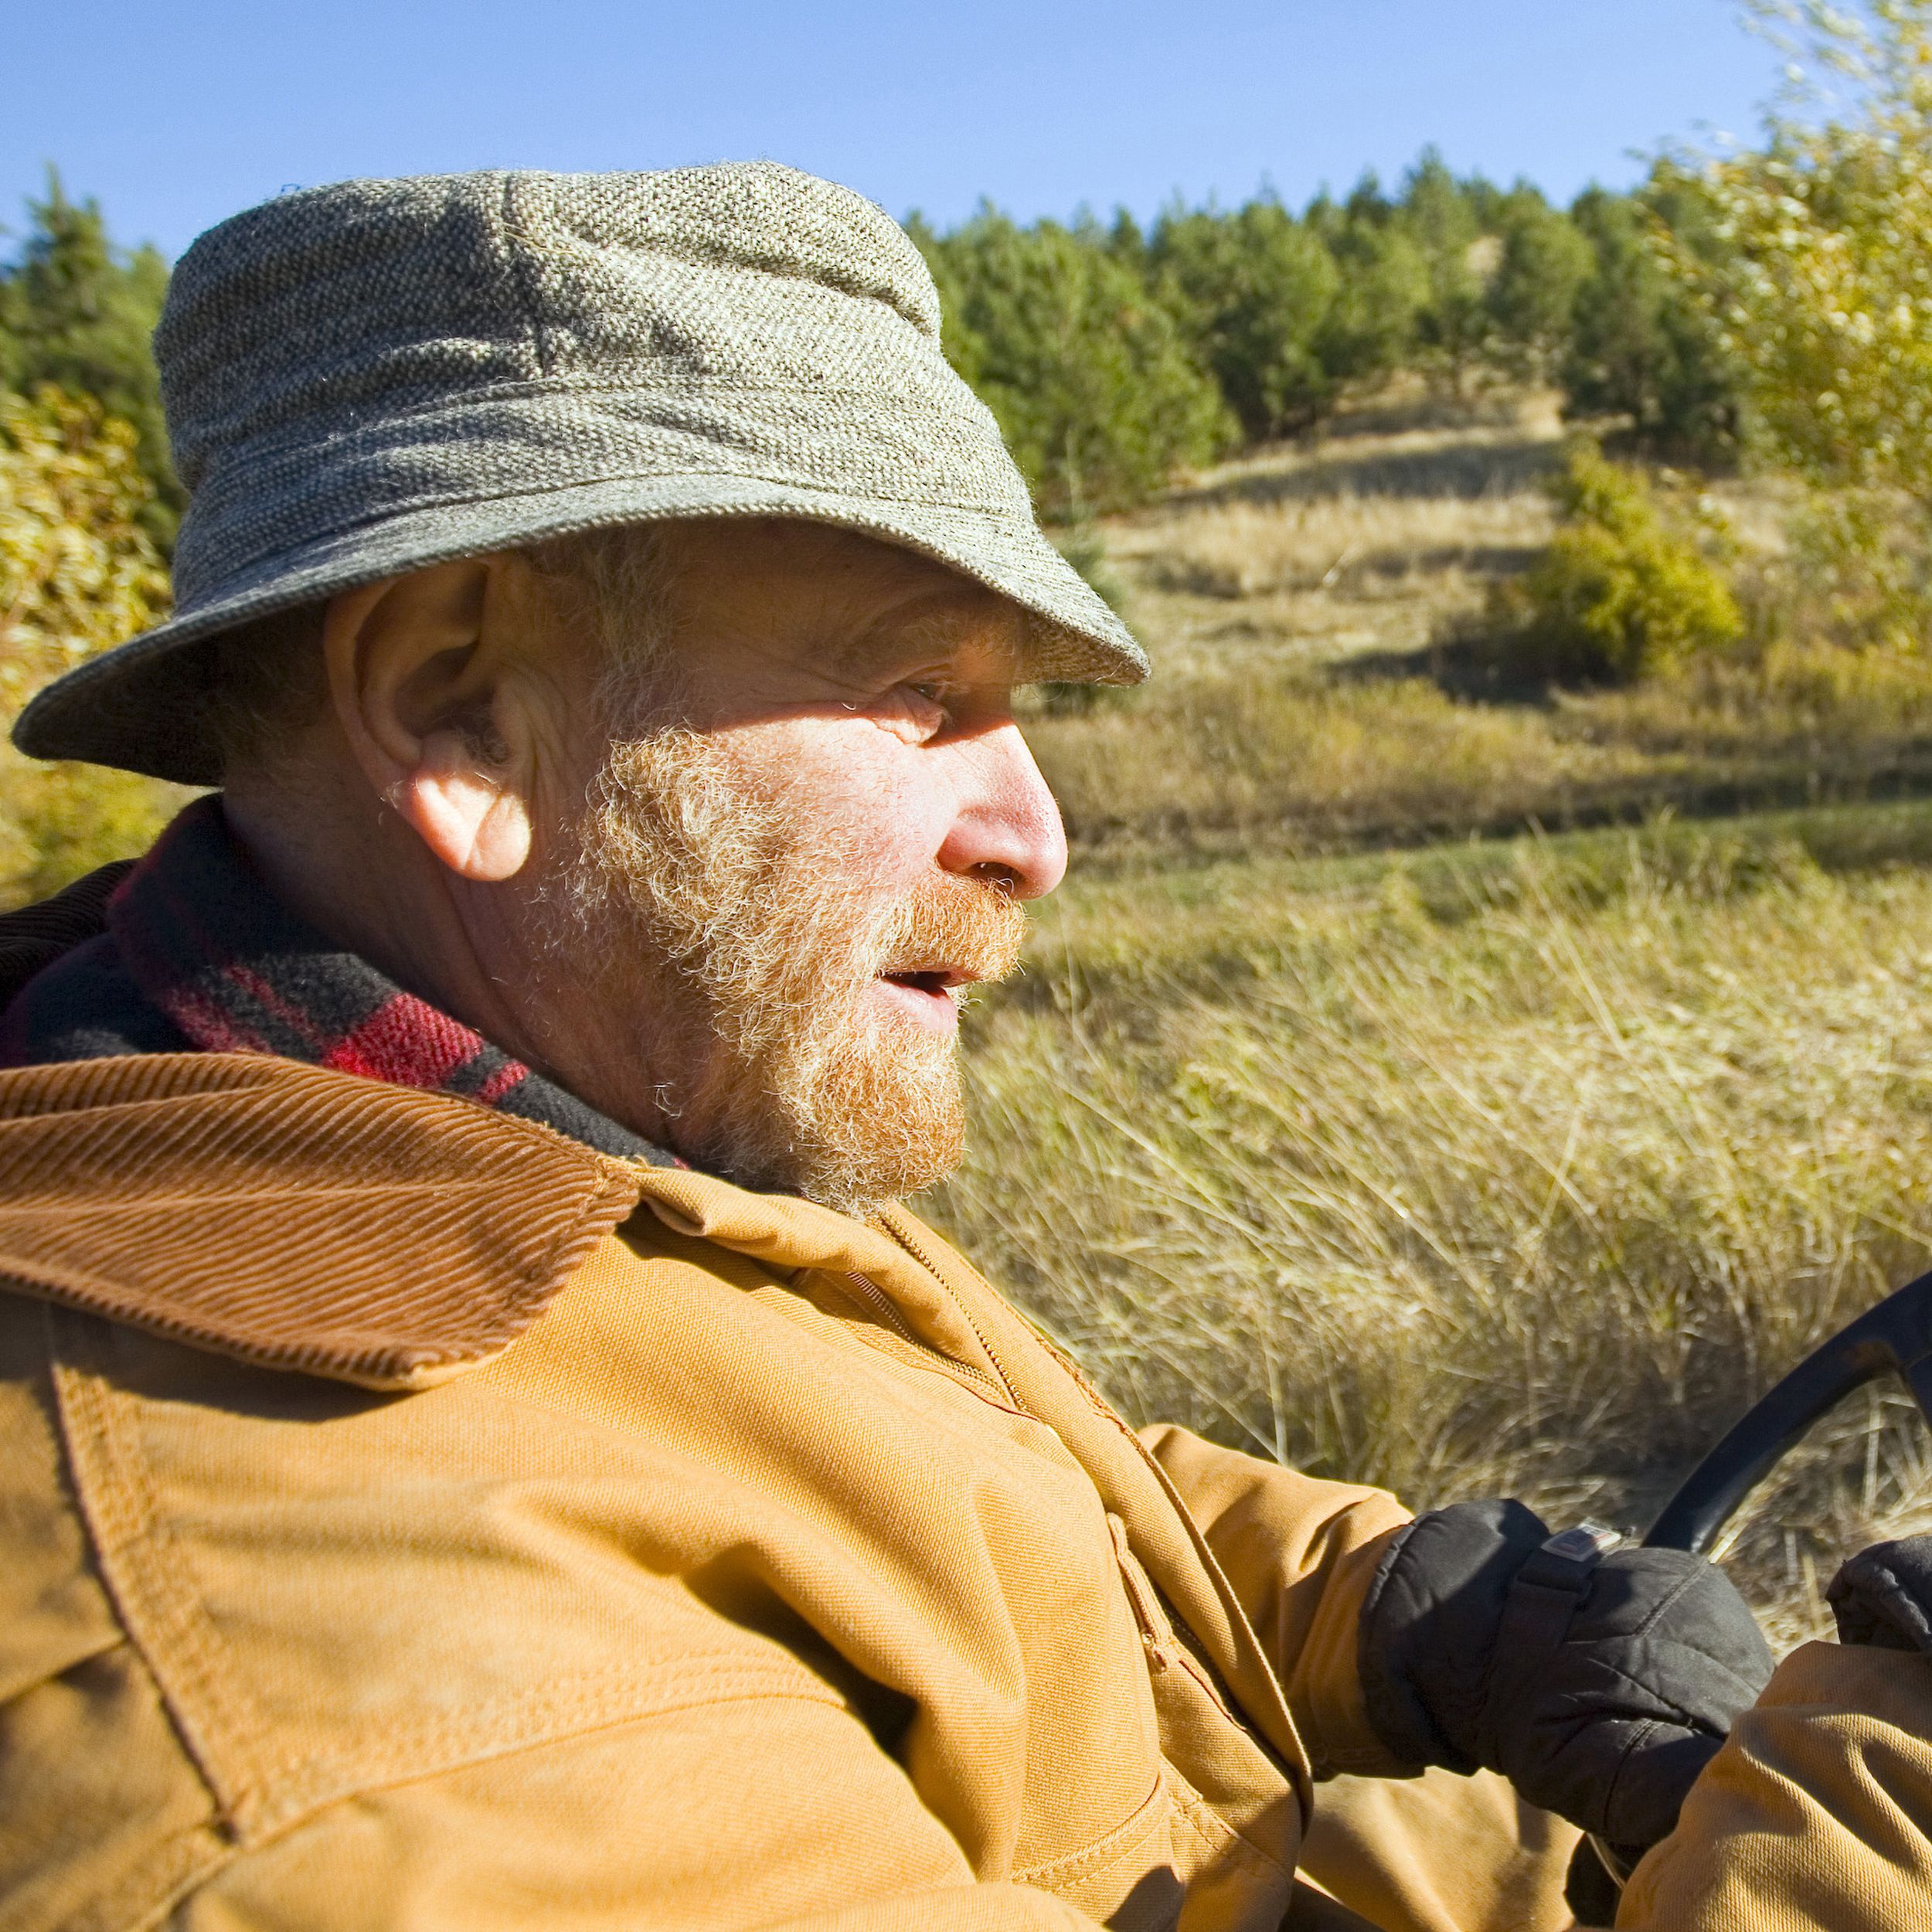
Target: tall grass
1285 760
1243 549
1527 1182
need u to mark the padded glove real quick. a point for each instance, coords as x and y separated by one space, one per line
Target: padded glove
1883 1596
1598 1684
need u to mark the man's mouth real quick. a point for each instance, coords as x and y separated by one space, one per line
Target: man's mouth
929 995
936 980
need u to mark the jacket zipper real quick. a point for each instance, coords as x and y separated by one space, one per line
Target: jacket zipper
1157 1635
876 1298
993 1355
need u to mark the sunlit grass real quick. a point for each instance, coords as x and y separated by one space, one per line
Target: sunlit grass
1272 758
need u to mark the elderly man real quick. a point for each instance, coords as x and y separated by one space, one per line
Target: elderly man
482 1445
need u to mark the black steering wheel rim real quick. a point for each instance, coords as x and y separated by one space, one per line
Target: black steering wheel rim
1895 1338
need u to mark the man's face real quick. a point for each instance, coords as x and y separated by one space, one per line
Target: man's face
802 845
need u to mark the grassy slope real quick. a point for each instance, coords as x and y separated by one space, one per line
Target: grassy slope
1256 761
1297 601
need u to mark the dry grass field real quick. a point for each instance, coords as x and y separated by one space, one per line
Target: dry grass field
1248 759
1466 1164
1306 609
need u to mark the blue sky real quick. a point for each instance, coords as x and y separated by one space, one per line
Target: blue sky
175 117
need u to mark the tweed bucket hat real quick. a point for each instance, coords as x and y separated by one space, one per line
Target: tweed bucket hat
363 379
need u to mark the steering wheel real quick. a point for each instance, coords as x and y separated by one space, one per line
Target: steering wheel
1894 1337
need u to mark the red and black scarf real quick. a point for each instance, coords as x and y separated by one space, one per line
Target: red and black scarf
187 949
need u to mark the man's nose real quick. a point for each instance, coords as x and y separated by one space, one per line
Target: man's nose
1007 824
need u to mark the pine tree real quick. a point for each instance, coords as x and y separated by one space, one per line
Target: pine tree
1543 261
1371 325
1640 346
1251 290
1441 215
1091 379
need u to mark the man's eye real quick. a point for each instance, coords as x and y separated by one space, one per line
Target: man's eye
924 705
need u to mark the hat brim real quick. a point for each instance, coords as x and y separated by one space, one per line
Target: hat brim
142 706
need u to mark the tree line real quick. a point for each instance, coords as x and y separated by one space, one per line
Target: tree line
1114 355
1772 304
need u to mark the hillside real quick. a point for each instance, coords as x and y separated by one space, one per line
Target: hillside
1316 615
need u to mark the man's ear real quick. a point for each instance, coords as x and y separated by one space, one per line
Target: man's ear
427 683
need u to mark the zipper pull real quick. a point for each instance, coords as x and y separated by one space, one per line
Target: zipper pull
1157 1635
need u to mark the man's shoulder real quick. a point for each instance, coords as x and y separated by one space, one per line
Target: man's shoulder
270 1532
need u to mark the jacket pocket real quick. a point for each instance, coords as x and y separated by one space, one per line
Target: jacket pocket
1127 1878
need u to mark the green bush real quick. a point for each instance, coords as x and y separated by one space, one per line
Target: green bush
1620 594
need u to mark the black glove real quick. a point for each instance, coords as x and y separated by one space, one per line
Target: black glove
1883 1596
1598 1684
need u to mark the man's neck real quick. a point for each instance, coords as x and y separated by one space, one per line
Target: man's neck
367 883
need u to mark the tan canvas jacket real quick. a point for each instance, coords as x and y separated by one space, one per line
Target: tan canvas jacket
409 1519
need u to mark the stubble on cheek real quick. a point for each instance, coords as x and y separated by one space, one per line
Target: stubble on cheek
750 935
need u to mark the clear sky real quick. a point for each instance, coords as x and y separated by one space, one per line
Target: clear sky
176 115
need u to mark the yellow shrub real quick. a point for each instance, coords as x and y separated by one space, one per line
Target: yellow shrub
1619 594
78 575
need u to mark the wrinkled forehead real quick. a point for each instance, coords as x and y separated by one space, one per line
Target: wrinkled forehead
848 602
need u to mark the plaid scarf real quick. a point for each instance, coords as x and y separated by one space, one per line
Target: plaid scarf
187 949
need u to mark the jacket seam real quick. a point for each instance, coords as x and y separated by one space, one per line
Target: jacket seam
115 1499
145 1896
1112 1844
215 1717
1296 1766
311 1789
916 1358
143 1901
893 1223
1192 1807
